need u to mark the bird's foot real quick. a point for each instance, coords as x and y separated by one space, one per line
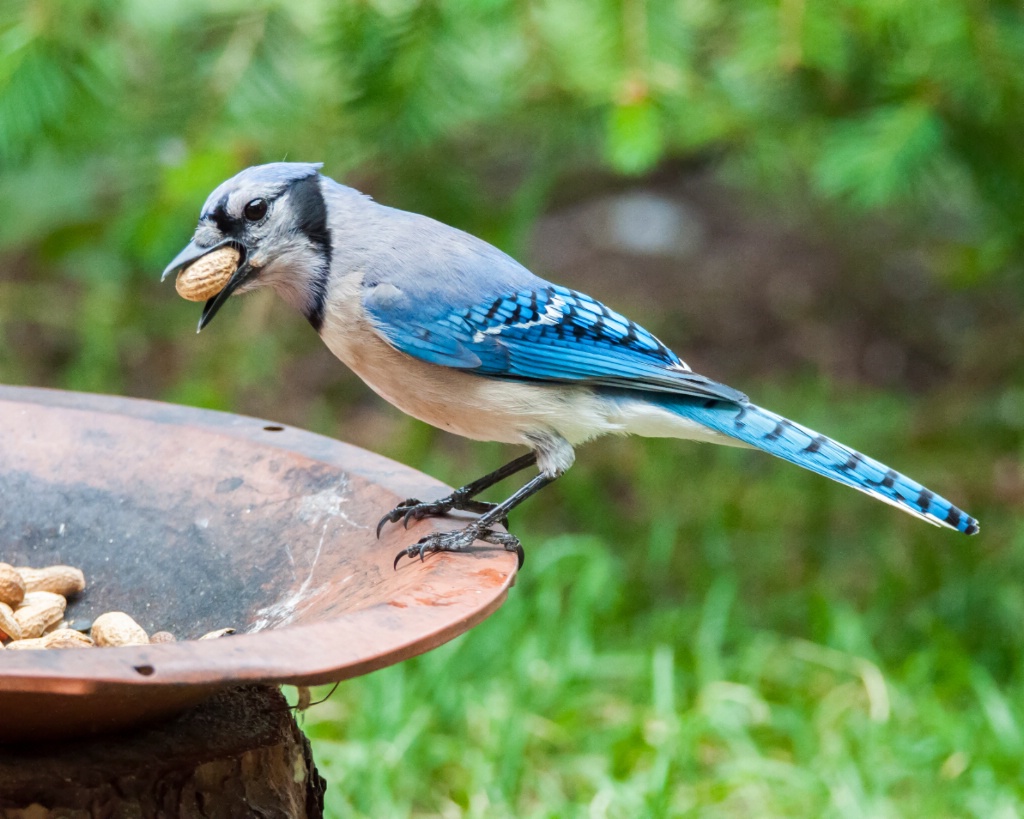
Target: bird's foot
460 539
413 509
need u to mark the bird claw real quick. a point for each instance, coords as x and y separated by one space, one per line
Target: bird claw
405 508
413 509
460 539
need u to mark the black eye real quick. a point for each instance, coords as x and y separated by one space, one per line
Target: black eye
255 210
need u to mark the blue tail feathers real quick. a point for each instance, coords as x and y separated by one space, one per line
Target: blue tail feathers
804 447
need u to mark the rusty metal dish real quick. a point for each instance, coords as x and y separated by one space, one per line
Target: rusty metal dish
192 520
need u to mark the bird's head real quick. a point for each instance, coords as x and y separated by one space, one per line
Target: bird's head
276 218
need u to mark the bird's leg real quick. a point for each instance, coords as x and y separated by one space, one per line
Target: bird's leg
461 499
480 529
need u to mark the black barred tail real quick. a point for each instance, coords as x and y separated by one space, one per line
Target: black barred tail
805 447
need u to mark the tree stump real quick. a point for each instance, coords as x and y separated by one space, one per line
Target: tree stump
240 754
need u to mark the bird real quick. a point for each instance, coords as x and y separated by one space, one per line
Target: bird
455 332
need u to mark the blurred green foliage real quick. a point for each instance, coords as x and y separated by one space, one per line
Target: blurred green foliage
117 117
735 637
120 114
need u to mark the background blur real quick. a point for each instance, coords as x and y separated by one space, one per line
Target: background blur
821 203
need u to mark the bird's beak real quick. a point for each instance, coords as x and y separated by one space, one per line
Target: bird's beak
191 253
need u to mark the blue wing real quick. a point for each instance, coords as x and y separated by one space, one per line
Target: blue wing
542 332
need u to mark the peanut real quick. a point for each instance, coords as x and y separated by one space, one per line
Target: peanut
221 632
31 644
38 611
207 276
66 638
163 637
65 580
115 628
12 586
10 628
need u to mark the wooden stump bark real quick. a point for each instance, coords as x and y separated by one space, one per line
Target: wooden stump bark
240 754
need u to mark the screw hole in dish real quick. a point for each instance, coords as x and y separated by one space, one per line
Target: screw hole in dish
273 428
145 670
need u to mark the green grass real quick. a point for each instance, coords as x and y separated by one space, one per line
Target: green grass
707 632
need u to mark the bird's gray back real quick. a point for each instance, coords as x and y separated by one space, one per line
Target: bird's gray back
413 260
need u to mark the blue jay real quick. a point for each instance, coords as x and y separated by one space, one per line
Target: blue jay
456 333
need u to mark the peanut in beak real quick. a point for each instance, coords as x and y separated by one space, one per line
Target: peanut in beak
207 276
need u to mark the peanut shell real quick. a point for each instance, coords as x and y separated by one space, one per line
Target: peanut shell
207 276
163 637
66 638
31 644
55 627
115 628
9 627
65 580
12 585
38 611
221 632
